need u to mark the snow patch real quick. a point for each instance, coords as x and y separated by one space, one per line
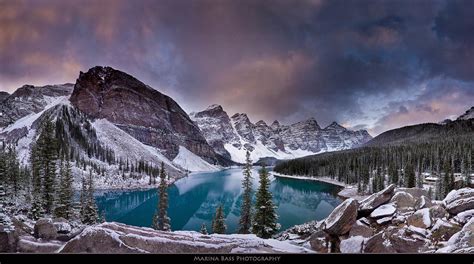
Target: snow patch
192 162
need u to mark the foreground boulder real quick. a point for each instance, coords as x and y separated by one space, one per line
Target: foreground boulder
462 241
375 200
459 200
119 238
8 239
45 229
340 221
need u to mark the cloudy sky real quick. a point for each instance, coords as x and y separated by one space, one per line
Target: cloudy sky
365 64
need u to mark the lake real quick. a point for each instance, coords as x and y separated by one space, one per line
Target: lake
194 199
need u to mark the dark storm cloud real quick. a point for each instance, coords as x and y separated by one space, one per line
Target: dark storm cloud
366 64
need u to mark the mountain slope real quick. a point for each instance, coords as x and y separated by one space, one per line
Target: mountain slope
148 115
423 132
467 115
232 137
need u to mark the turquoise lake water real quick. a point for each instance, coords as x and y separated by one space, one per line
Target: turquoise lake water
194 199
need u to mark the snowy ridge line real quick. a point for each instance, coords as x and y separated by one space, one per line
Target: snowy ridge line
27 121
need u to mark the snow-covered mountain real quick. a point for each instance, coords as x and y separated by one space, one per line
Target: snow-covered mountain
468 115
106 120
233 136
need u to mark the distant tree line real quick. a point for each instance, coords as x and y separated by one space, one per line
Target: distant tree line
372 168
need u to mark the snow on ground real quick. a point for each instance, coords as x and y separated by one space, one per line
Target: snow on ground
309 178
124 145
348 191
192 162
142 239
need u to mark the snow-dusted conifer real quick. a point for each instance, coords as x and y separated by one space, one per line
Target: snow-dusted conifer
245 221
265 219
161 221
218 223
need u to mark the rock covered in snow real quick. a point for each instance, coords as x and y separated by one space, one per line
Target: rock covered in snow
404 201
421 218
342 218
459 200
352 244
462 241
442 230
29 244
375 200
121 238
383 211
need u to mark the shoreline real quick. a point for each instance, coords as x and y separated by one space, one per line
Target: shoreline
347 191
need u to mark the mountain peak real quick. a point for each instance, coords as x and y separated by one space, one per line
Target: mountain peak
275 124
214 107
335 125
104 92
467 115
261 123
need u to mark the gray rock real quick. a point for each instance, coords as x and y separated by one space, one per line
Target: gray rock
404 240
383 211
415 192
45 229
404 201
340 221
360 229
438 212
443 230
352 245
119 238
29 244
8 239
420 218
423 202
375 200
319 242
378 243
462 241
459 200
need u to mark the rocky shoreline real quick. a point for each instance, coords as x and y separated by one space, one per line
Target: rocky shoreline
394 220
401 220
347 191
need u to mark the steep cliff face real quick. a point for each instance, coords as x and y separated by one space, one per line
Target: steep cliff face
233 136
148 115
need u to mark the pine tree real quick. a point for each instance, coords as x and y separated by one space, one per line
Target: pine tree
204 229
245 221
161 221
90 215
218 223
448 178
265 219
65 192
410 179
49 157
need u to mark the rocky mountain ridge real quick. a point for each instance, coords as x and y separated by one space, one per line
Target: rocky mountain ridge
233 136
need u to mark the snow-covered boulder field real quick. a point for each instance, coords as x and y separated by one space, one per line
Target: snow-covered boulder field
394 220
